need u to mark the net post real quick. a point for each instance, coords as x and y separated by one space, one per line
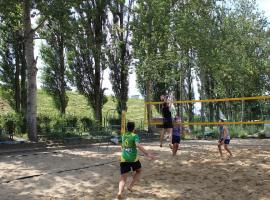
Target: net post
123 122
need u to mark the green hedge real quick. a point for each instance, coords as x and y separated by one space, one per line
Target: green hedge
11 123
60 126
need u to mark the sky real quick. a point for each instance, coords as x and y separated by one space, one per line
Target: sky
263 5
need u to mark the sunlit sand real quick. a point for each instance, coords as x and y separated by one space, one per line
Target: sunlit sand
197 172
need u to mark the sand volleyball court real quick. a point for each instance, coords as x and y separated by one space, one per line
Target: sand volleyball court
91 173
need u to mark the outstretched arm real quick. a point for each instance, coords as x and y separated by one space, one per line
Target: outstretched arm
142 149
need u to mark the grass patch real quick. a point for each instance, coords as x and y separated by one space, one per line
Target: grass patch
78 106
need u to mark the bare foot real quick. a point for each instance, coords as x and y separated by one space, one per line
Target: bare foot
119 196
130 189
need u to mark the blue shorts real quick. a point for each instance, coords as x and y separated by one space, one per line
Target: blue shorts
175 139
226 141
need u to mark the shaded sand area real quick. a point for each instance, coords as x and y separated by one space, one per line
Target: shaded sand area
91 173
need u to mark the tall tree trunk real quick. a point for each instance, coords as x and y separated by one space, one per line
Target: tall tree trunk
97 56
182 89
23 88
209 92
23 81
62 93
17 77
124 67
190 90
177 96
202 96
31 73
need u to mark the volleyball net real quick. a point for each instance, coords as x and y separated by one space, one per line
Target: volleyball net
252 113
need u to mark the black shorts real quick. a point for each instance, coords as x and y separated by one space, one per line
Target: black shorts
226 141
126 167
175 139
167 123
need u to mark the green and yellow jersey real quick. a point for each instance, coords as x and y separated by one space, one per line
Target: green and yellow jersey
129 149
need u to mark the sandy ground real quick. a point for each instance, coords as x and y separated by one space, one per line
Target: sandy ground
197 172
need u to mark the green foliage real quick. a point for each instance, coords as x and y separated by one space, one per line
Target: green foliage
78 107
60 123
86 52
119 51
114 121
238 131
12 64
151 36
223 46
61 126
11 123
262 135
86 123
53 77
56 31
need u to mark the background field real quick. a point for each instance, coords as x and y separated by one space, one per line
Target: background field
79 107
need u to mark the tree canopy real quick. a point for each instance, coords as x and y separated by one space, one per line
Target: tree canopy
219 46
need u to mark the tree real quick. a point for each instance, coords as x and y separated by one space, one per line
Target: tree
87 52
221 46
151 43
31 72
242 56
119 50
56 32
12 60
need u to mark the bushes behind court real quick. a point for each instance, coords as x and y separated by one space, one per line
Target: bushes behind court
236 131
58 127
49 126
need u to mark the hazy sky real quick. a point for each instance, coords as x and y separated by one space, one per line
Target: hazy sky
264 5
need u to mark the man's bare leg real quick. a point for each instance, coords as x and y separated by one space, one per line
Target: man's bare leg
174 149
227 149
219 148
170 131
161 137
122 182
135 178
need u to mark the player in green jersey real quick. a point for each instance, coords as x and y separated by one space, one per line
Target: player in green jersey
129 158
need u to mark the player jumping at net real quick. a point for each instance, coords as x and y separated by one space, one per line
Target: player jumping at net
167 119
224 138
129 158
